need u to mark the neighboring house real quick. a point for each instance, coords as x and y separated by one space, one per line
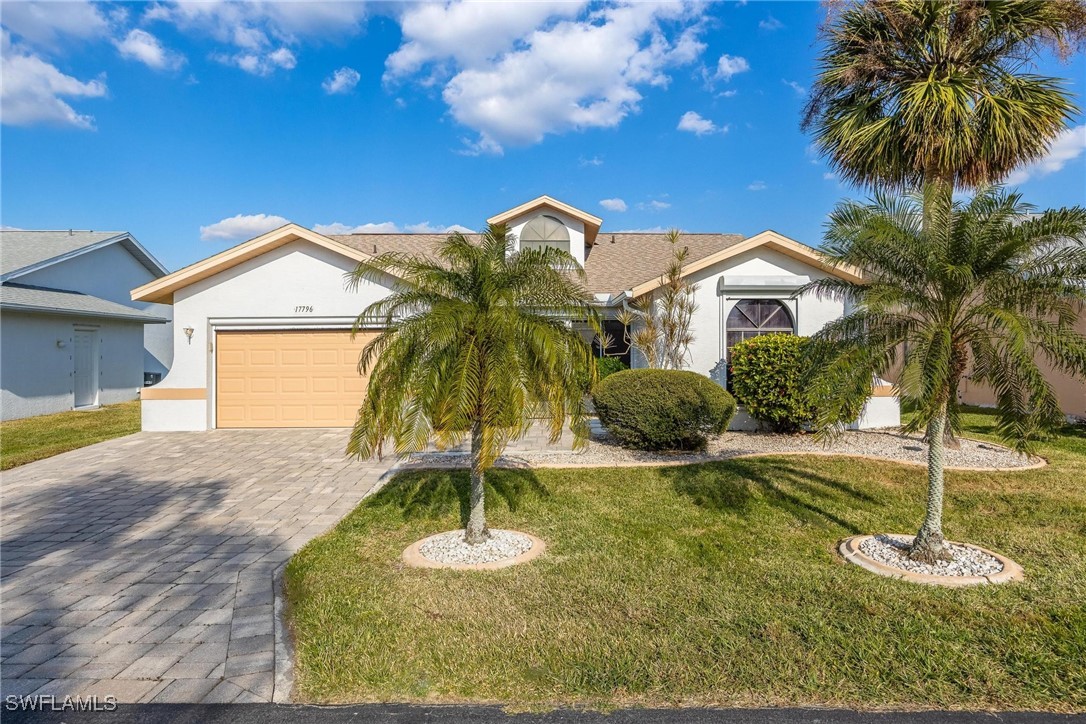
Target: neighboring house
70 335
1070 390
262 330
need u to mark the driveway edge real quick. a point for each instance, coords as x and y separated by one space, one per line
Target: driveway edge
283 679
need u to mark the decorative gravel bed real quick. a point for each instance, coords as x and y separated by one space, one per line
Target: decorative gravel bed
965 560
602 451
450 547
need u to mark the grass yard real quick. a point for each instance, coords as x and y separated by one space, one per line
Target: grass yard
705 584
34 438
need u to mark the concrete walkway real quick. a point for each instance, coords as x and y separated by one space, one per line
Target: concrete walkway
142 567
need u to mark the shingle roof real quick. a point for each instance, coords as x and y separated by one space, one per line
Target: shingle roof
59 301
615 263
19 249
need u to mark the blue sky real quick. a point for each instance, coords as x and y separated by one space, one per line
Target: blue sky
197 125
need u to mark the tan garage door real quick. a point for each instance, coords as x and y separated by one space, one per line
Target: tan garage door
288 379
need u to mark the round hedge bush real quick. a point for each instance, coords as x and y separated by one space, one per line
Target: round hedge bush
765 377
663 409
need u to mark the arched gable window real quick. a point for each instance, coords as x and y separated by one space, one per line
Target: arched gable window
754 317
545 230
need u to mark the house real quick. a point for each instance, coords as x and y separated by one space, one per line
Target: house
1070 390
70 335
262 330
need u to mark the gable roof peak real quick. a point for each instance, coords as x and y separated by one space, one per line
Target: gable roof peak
591 222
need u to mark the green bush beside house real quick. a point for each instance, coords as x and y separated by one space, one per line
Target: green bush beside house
663 409
766 377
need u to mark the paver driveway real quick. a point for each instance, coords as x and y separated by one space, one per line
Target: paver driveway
142 567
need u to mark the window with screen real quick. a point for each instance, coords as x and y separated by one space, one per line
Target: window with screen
754 317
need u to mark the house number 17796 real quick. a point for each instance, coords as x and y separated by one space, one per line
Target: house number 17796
303 308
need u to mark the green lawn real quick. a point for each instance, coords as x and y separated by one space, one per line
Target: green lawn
705 584
34 438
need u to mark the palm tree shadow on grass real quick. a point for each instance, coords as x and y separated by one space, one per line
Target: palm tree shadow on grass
729 486
434 492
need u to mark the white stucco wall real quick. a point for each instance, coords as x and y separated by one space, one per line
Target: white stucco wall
261 293
575 227
112 273
37 374
809 314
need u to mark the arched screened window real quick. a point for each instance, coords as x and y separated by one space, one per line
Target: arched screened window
753 317
545 230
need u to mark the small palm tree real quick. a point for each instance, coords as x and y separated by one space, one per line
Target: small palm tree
987 283
476 341
913 91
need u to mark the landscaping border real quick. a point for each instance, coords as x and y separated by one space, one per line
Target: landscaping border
849 548
412 556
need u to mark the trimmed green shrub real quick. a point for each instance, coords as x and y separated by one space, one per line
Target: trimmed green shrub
609 365
663 409
765 377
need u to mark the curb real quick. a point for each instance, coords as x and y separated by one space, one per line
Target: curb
413 557
849 549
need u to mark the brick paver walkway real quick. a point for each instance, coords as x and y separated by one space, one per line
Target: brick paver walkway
142 567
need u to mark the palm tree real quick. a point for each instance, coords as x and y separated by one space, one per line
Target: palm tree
478 340
985 281
913 91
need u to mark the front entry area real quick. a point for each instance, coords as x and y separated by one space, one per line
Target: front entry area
295 378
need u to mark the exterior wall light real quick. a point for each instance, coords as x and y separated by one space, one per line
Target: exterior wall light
188 333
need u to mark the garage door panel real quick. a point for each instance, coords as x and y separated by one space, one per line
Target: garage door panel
288 379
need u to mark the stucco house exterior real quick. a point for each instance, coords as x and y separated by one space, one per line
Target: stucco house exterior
70 335
262 330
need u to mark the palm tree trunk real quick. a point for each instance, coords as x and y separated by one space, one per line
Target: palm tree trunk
476 531
929 546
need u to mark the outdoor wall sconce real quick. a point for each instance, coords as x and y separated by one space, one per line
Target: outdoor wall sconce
188 333
60 344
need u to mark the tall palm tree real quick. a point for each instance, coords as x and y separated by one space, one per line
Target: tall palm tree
475 341
986 281
915 91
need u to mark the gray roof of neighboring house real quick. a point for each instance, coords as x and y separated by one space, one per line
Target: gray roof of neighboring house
23 297
615 263
22 251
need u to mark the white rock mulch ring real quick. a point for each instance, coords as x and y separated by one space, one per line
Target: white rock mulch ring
969 565
449 550
889 444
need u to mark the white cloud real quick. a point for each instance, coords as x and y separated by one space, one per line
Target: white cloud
648 230
594 161
730 65
342 81
384 227
517 72
770 24
146 48
729 93
654 205
756 186
426 228
260 63
613 204
259 36
467 33
51 25
241 227
1068 146
829 176
33 89
692 122
800 90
